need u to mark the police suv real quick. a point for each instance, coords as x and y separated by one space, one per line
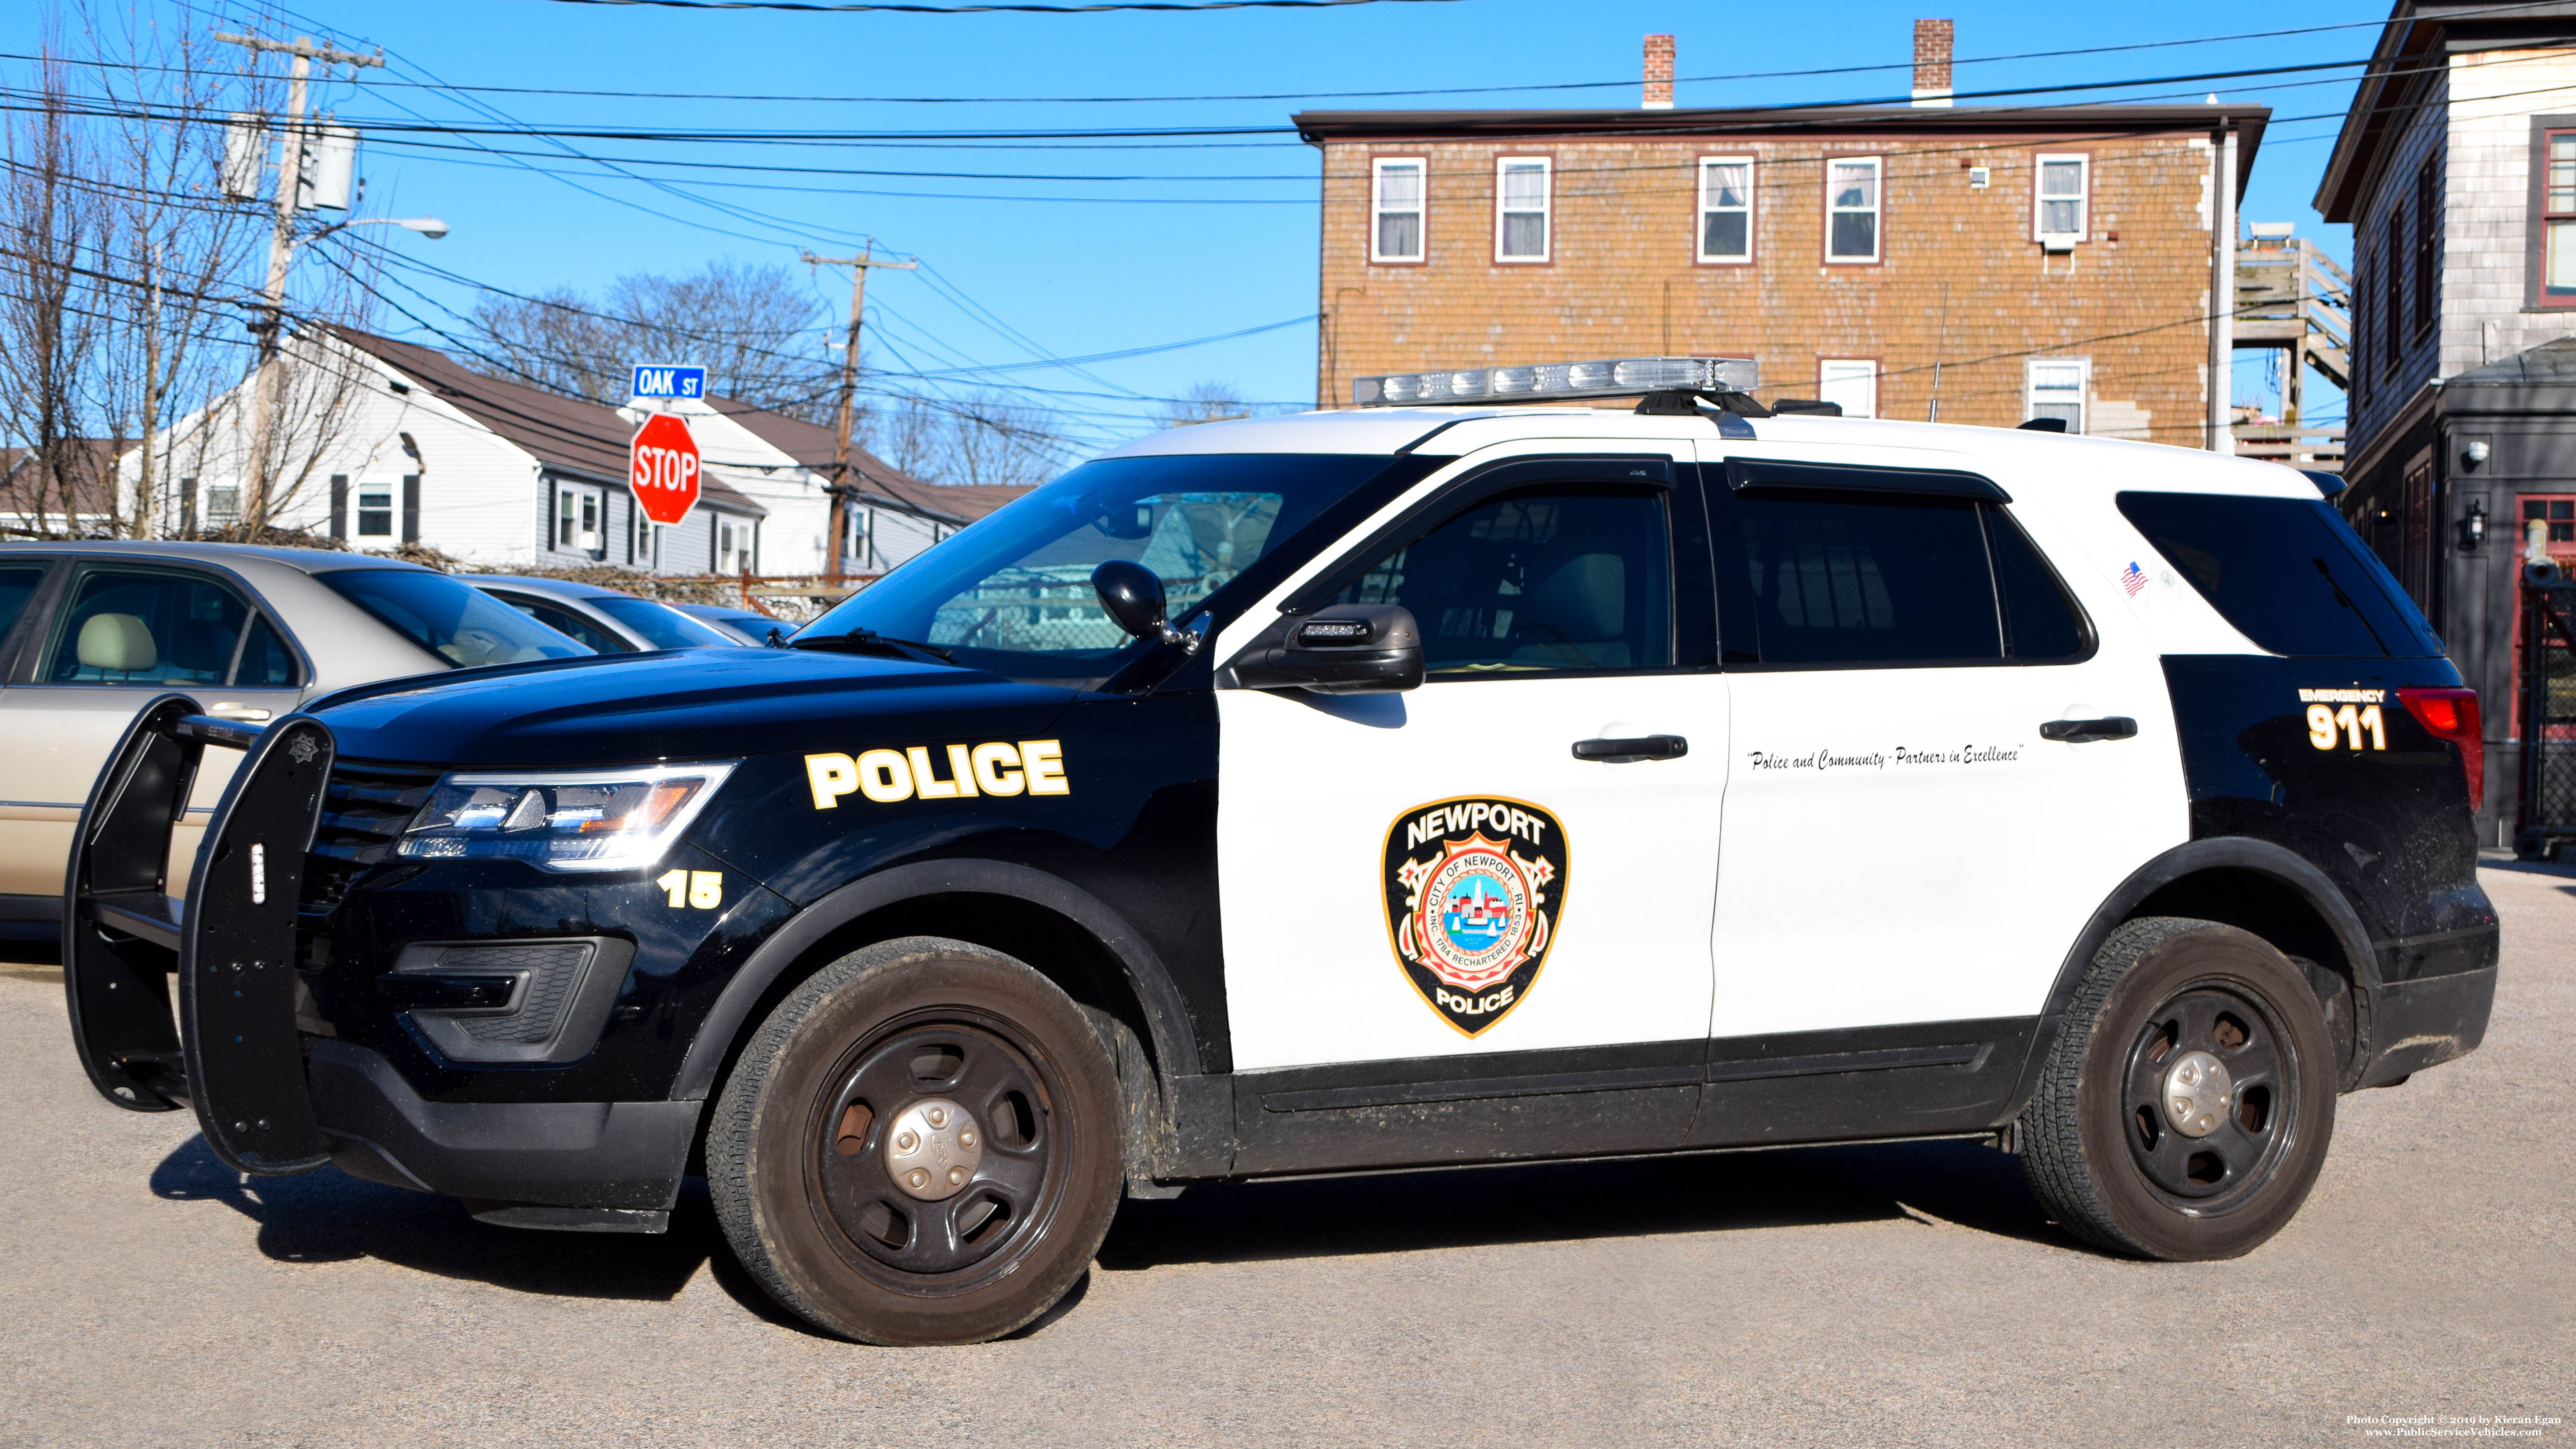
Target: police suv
1388 787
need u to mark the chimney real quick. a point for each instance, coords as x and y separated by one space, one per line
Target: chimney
1932 62
1659 73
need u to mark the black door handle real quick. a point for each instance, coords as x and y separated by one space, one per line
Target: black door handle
2077 731
1621 752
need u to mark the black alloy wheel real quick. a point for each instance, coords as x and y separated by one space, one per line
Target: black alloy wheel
920 1145
2185 1109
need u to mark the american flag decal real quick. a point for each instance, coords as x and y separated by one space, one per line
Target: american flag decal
2133 579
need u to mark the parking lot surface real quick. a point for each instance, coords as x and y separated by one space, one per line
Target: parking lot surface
1905 1293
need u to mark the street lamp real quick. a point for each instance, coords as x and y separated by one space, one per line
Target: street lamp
428 226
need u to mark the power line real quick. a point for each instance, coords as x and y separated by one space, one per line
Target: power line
1622 83
812 6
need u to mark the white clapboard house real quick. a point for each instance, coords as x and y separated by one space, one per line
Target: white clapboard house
389 442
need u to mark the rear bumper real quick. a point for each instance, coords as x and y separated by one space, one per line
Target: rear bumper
620 1159
2425 1022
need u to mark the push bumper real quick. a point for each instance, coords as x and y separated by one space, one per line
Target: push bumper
271 1099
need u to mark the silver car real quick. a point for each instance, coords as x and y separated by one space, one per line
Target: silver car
606 620
755 627
90 631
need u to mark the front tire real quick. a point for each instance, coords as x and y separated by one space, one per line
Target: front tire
2185 1110
920 1145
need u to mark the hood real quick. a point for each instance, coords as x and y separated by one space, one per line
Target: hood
687 704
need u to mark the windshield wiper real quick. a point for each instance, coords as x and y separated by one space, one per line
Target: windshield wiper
869 641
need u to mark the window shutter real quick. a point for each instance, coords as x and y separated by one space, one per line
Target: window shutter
339 505
411 508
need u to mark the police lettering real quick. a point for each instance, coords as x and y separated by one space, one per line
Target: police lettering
1474 1005
940 772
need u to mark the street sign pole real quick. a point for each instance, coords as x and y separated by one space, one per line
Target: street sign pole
840 526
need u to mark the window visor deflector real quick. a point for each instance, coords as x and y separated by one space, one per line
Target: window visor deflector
1755 475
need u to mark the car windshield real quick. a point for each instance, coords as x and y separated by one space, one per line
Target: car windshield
754 627
1013 593
459 624
666 627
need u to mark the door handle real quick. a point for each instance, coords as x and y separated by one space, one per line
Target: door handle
236 711
1621 752
2078 731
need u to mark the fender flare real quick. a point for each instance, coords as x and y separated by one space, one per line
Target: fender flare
1166 1016
2220 853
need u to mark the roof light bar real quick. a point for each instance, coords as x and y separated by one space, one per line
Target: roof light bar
1558 381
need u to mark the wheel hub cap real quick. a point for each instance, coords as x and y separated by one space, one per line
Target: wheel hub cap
933 1149
2197 1094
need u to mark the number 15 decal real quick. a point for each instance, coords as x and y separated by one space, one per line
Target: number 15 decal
703 889
2326 723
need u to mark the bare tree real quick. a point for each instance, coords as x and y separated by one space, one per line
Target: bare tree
1206 402
752 327
49 302
980 438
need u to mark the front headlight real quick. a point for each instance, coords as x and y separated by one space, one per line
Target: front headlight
563 820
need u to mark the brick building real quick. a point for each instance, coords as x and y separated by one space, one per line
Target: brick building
1975 264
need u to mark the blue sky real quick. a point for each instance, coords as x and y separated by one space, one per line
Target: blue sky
1177 255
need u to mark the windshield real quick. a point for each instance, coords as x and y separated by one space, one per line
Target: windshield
666 627
1013 593
458 623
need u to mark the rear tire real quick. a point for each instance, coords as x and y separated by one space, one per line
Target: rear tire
2185 1109
920 1145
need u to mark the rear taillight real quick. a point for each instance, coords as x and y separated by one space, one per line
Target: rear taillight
2452 714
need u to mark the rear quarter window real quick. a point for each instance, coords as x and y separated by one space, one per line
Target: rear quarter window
2288 572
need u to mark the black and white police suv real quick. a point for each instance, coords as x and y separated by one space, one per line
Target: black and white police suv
1378 788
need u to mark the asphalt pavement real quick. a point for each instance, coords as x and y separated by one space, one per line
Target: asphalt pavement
1907 1294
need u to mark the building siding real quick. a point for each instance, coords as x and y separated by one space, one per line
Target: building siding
1963 281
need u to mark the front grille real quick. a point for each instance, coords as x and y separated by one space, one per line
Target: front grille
364 809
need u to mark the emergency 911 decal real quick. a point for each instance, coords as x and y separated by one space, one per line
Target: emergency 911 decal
2345 716
1474 890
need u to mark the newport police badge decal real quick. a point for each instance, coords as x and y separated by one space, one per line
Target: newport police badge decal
1474 890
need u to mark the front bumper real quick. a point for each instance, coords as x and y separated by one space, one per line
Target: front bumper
612 1166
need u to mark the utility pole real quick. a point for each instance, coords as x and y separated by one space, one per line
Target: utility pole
2222 291
849 391
281 247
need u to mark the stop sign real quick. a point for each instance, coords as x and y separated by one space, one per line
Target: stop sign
662 468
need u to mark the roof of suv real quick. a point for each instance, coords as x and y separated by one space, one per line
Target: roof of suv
307 560
1436 431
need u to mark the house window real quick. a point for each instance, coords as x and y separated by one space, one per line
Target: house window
1396 188
1521 208
2558 220
375 508
2425 216
733 546
1852 382
577 518
1851 209
1726 208
223 505
2065 185
2056 387
2392 288
645 548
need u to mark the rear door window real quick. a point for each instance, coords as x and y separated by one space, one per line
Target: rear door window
2287 572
